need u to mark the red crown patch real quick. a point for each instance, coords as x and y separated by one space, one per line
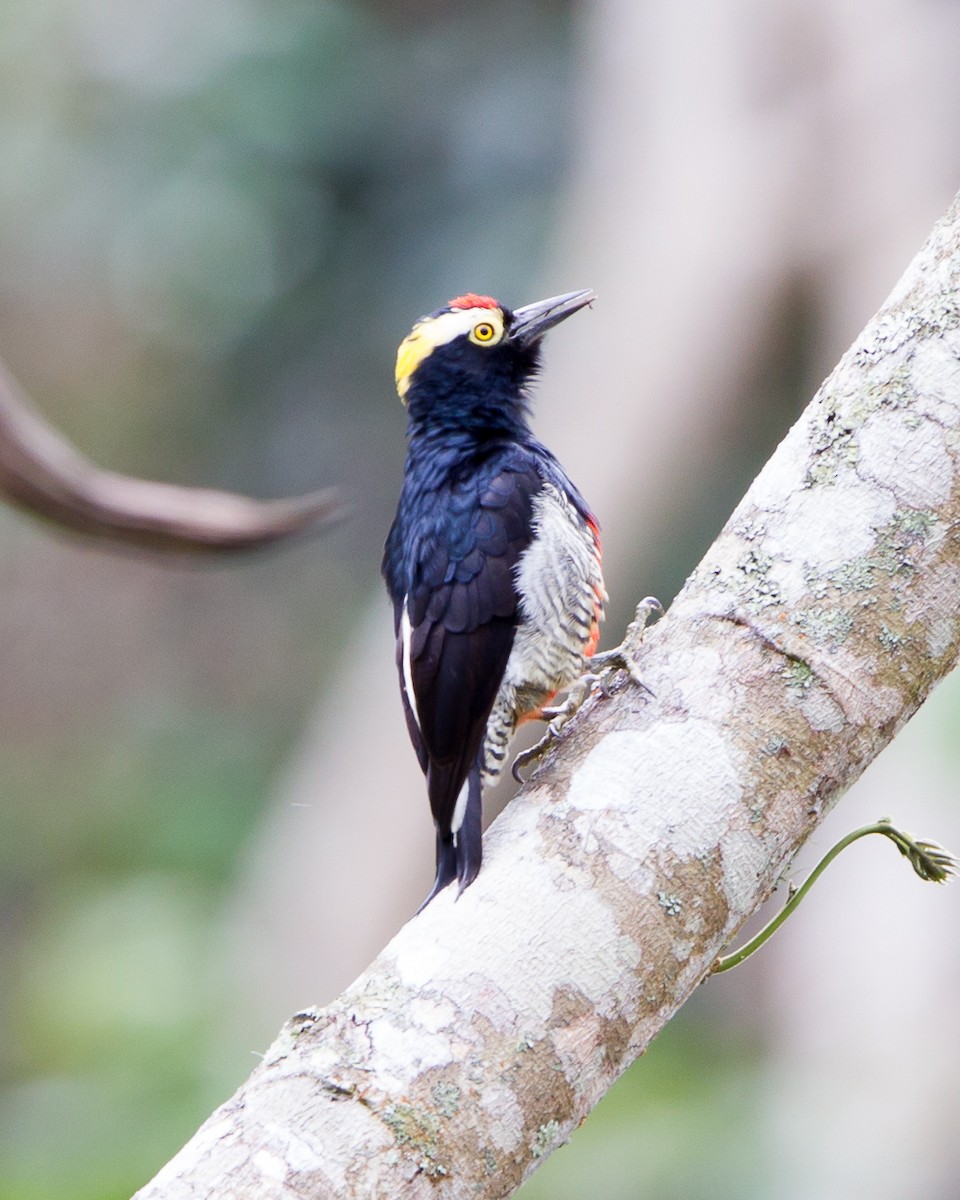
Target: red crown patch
470 300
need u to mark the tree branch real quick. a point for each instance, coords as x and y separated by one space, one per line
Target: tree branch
818 622
42 473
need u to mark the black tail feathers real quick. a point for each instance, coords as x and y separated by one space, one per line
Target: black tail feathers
469 837
459 854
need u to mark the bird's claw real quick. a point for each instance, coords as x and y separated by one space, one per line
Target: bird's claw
623 657
648 608
620 658
556 717
611 661
534 753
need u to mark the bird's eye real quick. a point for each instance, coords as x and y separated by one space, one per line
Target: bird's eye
487 331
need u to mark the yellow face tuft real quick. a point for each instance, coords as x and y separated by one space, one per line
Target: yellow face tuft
483 326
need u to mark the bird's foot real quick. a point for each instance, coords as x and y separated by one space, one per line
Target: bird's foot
556 717
623 657
620 658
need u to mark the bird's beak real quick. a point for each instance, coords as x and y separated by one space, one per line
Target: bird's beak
532 321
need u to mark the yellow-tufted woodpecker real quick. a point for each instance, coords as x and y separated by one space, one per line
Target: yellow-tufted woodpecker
493 559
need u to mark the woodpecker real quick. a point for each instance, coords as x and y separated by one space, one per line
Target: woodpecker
492 562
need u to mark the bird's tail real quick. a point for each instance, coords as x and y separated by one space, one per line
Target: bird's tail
459 854
468 840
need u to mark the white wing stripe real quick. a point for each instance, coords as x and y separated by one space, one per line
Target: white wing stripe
405 658
460 810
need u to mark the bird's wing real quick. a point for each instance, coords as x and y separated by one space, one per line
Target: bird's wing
458 622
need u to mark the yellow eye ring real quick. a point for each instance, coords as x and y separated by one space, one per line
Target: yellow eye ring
484 332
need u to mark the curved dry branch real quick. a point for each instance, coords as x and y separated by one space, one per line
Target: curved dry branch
816 625
42 473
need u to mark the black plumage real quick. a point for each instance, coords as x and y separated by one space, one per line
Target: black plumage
465 518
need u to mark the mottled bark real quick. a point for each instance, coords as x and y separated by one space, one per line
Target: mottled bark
43 474
816 625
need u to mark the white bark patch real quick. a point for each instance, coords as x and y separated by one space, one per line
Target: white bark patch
787 576
432 1014
941 634
822 712
270 1166
501 940
681 688
681 949
838 523
291 1153
623 777
777 481
504 1114
908 455
745 860
936 378
396 1050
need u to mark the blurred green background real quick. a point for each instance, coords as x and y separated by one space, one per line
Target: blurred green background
217 221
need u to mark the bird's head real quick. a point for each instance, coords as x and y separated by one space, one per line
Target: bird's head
469 362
